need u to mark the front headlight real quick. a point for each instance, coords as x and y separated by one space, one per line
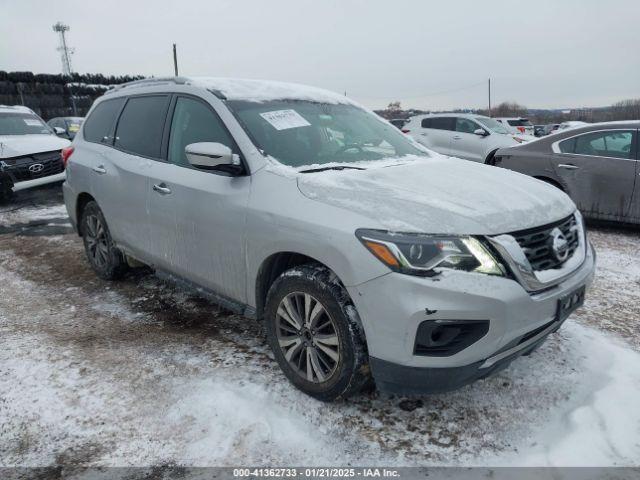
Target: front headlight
420 254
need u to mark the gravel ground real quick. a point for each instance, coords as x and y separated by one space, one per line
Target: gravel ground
139 373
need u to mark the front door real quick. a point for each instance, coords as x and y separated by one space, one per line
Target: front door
197 217
599 170
466 144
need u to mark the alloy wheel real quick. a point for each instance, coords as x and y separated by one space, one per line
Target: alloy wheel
97 241
308 337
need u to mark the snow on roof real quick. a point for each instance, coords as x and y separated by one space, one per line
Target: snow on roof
15 108
266 90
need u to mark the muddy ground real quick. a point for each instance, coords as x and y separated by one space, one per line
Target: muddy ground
139 372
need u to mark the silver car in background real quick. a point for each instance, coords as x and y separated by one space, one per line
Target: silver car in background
469 136
364 254
597 165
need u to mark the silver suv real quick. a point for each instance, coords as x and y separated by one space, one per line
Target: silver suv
463 135
364 254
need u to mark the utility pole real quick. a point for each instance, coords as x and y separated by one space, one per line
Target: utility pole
489 97
175 60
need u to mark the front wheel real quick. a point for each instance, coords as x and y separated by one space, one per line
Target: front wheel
105 259
315 334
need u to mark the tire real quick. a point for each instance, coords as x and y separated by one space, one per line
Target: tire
105 259
311 366
489 160
6 188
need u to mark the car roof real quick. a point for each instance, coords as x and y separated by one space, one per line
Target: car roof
616 124
15 108
448 114
238 89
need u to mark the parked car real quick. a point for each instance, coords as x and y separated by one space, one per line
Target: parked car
468 136
30 151
596 165
362 252
69 125
570 125
517 124
539 130
551 128
398 122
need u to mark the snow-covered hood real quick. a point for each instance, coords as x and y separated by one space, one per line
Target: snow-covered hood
440 195
18 145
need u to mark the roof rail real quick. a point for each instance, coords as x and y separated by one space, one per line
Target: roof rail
148 81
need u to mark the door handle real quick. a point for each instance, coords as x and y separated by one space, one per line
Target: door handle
100 169
568 166
423 134
162 188
457 137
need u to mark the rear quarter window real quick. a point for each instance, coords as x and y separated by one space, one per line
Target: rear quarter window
568 146
99 125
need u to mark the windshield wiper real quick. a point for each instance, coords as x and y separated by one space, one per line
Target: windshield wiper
336 167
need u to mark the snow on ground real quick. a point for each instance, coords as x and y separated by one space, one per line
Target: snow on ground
139 372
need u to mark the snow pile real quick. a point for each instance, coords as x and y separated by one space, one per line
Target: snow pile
600 422
267 90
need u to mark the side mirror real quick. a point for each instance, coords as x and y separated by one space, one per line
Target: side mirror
481 132
61 132
211 156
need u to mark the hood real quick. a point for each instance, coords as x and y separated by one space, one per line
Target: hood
19 145
440 195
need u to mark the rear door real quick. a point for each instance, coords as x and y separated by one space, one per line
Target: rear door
198 217
121 180
466 144
436 133
599 169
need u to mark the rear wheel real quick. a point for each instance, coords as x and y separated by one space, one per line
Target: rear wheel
315 334
105 259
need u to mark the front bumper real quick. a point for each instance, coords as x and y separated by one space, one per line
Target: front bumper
58 177
393 306
403 380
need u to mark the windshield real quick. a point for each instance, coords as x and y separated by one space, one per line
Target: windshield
299 133
22 124
492 125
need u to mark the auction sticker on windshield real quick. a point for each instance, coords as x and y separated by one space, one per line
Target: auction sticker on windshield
285 119
32 122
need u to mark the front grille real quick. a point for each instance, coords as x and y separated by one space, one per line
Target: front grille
18 168
537 243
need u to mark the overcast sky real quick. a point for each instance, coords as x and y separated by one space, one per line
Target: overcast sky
427 54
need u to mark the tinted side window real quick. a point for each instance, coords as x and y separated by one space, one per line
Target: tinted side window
194 122
465 125
98 125
568 146
605 144
427 123
139 129
444 123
